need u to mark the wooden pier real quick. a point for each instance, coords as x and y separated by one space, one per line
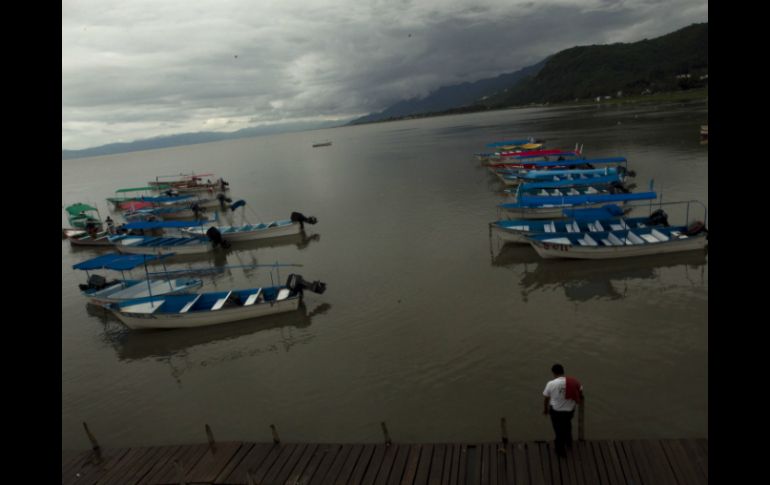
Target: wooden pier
592 462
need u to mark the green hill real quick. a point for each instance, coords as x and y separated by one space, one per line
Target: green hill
603 70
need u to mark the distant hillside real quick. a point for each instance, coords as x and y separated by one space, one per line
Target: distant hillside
603 70
191 139
452 97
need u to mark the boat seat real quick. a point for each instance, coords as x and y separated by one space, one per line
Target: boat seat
678 235
219 303
659 235
189 305
598 226
616 227
649 238
587 240
283 294
549 227
632 238
252 298
607 242
615 239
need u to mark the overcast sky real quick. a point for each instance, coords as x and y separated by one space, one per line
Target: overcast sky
134 69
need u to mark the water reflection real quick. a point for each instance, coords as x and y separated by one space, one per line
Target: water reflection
584 280
229 342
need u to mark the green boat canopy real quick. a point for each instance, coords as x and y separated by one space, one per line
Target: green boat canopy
76 209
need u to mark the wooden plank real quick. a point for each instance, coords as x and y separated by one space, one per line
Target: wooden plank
74 465
410 468
374 464
629 470
386 467
311 471
346 469
259 473
243 451
602 474
506 474
449 456
520 463
697 455
462 465
536 472
188 457
612 463
436 465
550 461
399 465
161 461
290 464
362 465
332 451
685 472
637 460
128 465
662 471
302 463
423 466
250 462
212 462
587 467
160 454
288 450
90 472
336 467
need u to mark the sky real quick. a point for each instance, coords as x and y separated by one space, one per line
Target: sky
136 69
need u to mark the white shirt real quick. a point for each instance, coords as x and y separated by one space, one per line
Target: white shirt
556 390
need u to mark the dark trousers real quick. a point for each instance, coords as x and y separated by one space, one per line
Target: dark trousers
562 426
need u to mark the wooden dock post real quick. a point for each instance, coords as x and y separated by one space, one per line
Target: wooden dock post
581 419
94 444
210 436
385 432
504 430
276 439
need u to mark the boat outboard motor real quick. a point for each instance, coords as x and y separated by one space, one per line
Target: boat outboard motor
296 283
97 282
618 188
657 218
222 198
299 217
695 228
216 238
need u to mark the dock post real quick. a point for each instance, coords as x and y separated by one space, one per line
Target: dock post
210 436
385 432
94 444
504 430
581 419
276 439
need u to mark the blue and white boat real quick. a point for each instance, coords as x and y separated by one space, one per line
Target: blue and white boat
608 217
551 207
630 242
213 308
98 290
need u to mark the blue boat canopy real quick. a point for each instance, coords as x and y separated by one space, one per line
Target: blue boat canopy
117 261
603 212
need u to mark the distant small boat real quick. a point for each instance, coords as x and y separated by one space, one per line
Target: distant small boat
322 144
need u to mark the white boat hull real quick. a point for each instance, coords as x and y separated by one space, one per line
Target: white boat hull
254 235
550 250
137 321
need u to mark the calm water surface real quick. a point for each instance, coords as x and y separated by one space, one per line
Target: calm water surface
428 322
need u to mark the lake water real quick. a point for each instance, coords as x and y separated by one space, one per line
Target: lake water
428 322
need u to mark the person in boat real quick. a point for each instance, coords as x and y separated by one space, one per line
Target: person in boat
91 229
110 225
560 397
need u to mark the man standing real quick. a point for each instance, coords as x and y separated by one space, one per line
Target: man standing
561 395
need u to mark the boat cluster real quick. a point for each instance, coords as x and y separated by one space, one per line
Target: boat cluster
566 205
166 219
